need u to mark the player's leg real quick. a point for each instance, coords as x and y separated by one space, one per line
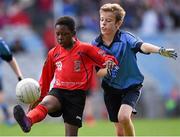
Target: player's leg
129 101
88 110
119 129
4 107
124 117
112 101
73 108
49 104
71 130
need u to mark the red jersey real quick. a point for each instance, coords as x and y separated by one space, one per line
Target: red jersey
72 69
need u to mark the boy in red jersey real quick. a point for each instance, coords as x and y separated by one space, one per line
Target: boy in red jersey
71 63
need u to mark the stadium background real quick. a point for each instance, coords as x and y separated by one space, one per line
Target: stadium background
27 26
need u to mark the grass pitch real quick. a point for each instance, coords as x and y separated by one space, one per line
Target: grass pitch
144 127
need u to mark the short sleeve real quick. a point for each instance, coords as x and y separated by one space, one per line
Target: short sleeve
134 42
5 52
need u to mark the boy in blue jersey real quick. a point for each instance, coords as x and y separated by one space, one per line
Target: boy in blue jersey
122 92
5 54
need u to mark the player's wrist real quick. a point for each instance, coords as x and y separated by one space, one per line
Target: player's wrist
19 78
161 50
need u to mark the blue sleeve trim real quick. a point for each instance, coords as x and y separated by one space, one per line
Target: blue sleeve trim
5 52
138 48
7 58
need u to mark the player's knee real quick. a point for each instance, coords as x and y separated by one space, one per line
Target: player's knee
46 103
124 119
51 103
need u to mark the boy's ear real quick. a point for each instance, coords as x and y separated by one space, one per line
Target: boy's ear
118 24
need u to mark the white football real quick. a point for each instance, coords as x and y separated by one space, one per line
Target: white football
28 91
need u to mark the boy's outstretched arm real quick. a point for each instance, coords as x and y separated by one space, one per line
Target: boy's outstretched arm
150 48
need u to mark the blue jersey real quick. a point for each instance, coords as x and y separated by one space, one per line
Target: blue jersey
5 52
124 47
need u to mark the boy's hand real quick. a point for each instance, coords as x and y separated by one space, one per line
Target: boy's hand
113 72
171 53
109 64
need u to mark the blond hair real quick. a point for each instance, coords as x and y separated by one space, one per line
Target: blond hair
118 11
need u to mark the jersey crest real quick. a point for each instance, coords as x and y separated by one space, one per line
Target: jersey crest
77 65
59 65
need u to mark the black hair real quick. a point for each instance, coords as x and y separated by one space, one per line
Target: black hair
67 21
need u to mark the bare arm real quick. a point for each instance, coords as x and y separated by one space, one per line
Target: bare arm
149 48
14 65
102 72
